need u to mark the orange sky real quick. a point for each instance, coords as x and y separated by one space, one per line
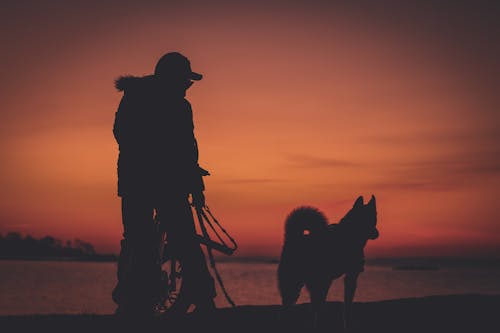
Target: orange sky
302 103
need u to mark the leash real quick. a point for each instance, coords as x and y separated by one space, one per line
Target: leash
202 219
231 239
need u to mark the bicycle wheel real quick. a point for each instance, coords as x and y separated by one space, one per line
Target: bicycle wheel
171 278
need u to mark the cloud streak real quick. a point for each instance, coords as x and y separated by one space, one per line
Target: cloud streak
238 181
310 161
445 173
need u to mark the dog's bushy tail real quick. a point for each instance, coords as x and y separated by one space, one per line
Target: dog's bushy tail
300 225
304 221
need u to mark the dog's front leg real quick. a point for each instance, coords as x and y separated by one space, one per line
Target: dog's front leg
350 284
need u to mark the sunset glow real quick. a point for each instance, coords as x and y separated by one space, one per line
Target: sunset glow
298 106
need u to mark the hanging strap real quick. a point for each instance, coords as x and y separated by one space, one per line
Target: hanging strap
202 217
231 239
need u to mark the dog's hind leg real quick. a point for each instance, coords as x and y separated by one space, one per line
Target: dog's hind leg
318 299
350 284
290 295
289 286
290 281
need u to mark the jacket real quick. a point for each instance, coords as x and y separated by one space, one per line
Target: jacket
158 153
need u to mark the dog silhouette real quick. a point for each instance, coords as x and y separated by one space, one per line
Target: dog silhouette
315 253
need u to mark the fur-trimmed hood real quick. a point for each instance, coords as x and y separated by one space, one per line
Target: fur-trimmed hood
124 83
148 85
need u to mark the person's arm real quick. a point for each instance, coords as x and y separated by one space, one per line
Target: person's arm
197 172
198 186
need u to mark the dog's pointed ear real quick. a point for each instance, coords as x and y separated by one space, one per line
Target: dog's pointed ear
372 203
358 202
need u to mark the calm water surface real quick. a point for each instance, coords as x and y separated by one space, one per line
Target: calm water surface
43 287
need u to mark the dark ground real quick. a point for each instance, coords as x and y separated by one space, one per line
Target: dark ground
461 313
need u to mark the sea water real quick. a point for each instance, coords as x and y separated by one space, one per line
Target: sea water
49 287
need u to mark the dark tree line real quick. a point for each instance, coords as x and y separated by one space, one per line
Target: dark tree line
14 245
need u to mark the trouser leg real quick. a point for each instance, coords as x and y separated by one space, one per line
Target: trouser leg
138 267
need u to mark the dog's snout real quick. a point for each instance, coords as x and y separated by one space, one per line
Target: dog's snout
373 234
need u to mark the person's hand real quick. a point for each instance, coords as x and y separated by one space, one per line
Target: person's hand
198 199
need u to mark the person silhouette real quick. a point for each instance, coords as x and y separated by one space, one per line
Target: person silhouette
157 171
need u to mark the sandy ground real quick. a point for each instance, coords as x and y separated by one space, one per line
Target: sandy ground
460 313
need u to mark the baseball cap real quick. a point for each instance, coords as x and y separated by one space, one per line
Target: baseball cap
175 64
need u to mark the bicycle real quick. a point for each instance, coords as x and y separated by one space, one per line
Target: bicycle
171 270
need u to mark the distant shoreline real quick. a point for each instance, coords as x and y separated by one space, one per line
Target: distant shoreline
416 263
90 258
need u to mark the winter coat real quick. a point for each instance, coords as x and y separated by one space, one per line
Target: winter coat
154 130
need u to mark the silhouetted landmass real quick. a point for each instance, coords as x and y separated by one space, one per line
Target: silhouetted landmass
443 314
15 246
